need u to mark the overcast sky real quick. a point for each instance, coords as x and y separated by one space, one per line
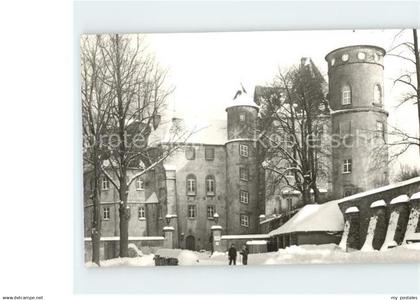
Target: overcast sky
206 69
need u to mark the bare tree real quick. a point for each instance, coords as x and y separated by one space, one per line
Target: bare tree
408 51
292 121
407 172
140 94
96 103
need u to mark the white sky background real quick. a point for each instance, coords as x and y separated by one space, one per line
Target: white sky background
206 69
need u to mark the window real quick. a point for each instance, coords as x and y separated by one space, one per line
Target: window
243 173
191 185
345 57
160 212
244 220
244 197
142 212
105 184
210 185
380 131
345 128
332 62
242 117
209 153
190 153
243 150
210 211
289 204
361 55
106 213
346 95
139 184
191 211
347 166
377 94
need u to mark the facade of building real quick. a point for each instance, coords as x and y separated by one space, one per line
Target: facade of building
209 178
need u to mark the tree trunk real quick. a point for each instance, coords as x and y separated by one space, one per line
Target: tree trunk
124 217
316 192
96 223
416 54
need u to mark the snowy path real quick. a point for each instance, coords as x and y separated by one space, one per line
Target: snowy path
306 254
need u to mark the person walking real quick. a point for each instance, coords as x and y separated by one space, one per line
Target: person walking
244 254
232 255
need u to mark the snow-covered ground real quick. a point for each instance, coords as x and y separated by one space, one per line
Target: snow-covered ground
305 254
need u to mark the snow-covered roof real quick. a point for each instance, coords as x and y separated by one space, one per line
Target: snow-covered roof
273 217
400 199
130 238
296 192
198 130
415 196
352 209
314 217
169 167
242 99
214 227
245 236
380 189
256 242
290 191
378 203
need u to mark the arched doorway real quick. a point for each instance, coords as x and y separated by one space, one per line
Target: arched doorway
190 243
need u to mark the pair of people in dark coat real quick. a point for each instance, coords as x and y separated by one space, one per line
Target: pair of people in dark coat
232 253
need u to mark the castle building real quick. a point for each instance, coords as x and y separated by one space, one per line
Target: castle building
217 178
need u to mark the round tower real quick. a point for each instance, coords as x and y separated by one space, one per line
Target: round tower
359 120
242 166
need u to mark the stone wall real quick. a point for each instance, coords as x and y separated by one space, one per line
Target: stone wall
109 248
364 200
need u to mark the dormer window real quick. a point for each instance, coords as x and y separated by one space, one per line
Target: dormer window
346 95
